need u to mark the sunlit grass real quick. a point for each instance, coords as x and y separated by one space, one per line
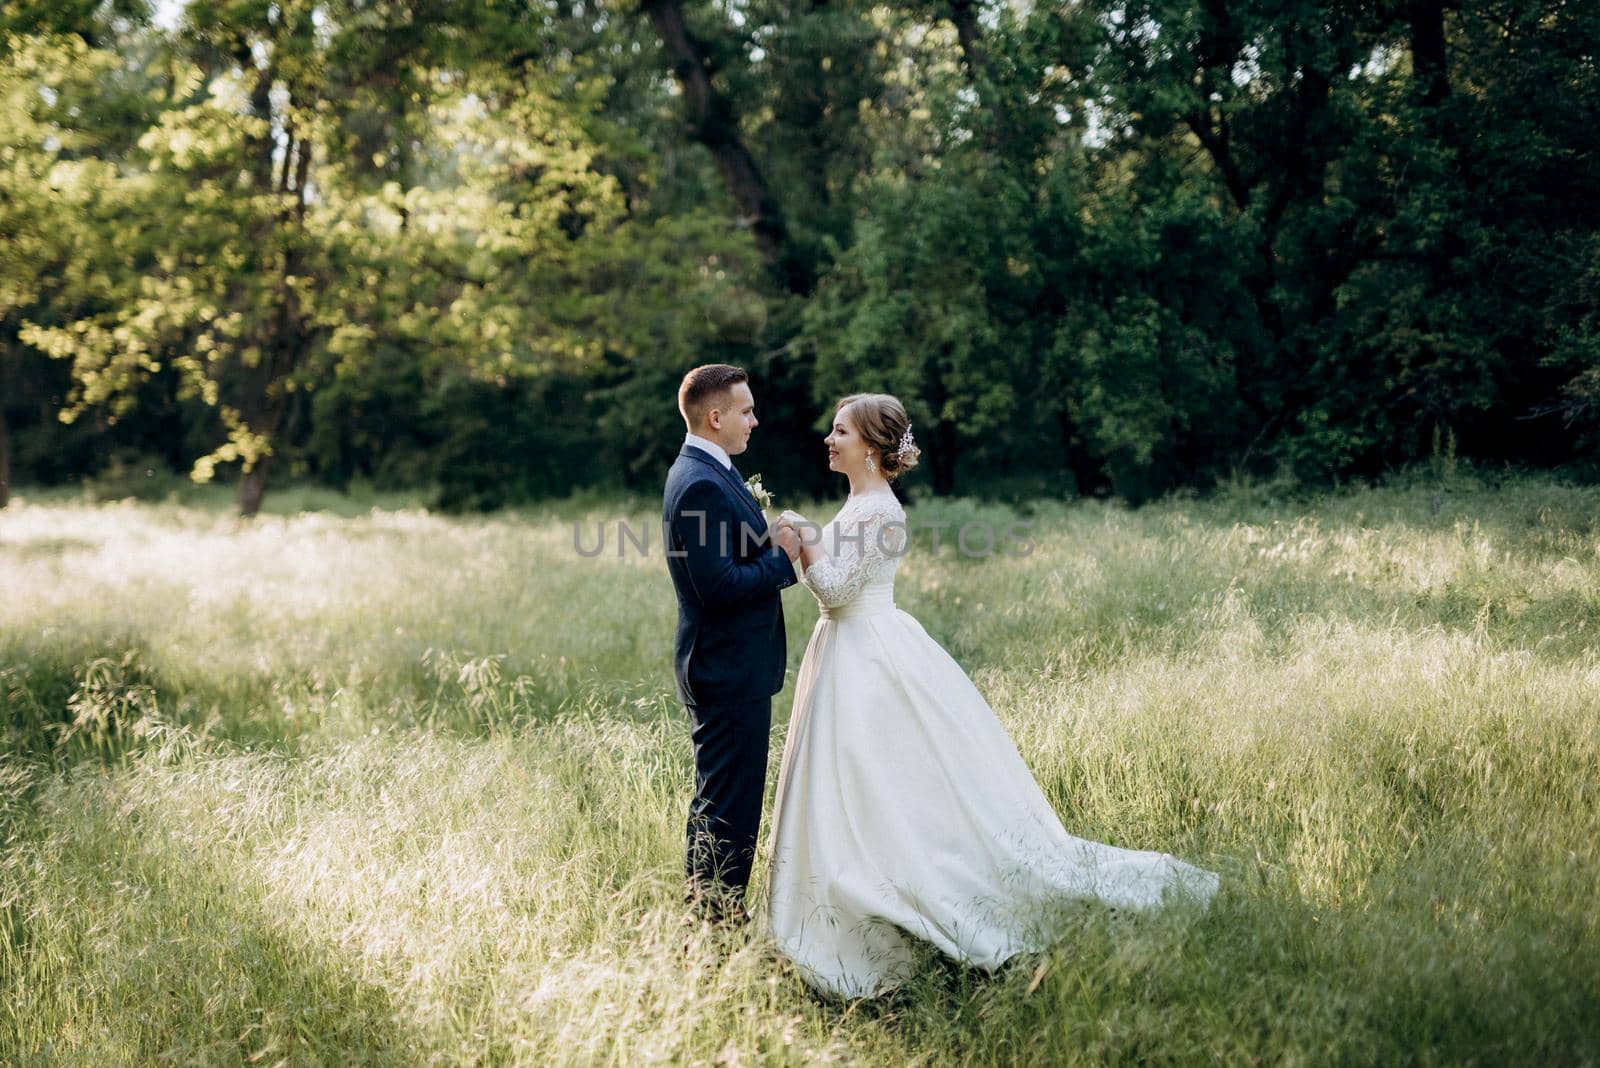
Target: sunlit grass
389 787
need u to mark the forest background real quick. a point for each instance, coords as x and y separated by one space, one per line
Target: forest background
468 249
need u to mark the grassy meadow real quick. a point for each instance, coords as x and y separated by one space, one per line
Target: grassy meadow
368 785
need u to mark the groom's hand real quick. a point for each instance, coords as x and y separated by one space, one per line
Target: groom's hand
787 540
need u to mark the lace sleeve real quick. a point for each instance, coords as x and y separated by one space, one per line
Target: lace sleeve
853 546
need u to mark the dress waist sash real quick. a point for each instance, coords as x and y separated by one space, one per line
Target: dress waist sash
872 601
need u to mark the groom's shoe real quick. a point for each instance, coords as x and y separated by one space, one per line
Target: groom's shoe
720 907
697 933
727 920
721 918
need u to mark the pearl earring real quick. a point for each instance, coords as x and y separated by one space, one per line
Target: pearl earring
872 468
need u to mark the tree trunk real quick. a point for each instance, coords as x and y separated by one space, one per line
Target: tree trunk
942 455
5 458
944 458
806 109
964 15
1088 475
262 394
1429 60
713 123
253 488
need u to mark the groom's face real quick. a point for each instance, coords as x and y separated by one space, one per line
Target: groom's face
733 418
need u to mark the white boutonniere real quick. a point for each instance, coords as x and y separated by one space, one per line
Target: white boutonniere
763 498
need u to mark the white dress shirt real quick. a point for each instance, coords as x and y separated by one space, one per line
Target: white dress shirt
709 446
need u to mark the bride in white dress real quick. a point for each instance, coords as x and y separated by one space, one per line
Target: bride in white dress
904 809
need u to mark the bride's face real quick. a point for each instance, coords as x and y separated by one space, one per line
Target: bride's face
847 451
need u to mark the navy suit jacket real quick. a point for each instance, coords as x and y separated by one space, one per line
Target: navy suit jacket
730 645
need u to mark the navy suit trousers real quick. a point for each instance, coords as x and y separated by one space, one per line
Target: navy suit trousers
730 773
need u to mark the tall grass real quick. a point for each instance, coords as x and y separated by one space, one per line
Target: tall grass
393 788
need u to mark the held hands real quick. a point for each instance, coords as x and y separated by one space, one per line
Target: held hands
785 537
786 531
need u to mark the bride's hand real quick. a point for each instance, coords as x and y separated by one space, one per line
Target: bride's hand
808 533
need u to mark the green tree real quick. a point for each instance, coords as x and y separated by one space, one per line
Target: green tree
60 207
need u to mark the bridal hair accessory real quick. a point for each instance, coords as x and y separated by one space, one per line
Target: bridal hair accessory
907 443
763 498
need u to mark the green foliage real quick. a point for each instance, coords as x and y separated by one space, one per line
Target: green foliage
1101 247
1369 222
947 334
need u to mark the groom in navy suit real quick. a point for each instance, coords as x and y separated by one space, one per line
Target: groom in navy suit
729 657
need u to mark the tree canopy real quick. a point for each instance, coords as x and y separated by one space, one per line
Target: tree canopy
1096 248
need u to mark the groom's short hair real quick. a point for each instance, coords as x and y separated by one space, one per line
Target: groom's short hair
702 386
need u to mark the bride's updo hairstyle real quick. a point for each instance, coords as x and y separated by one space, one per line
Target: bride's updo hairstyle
882 422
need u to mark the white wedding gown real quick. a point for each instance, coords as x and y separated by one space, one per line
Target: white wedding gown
903 807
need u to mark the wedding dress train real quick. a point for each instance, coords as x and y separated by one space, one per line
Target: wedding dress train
903 807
